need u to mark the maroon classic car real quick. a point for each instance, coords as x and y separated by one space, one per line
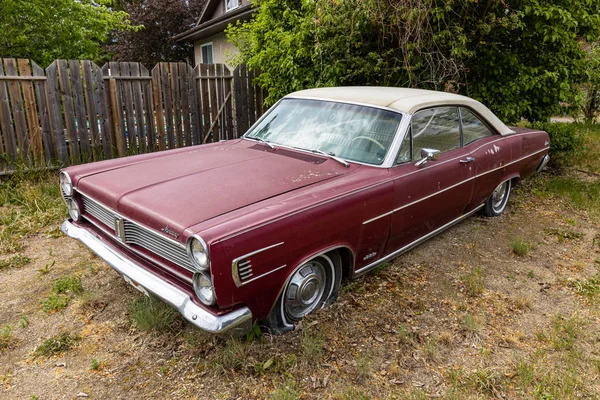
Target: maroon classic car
327 185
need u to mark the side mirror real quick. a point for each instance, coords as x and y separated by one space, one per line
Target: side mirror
426 155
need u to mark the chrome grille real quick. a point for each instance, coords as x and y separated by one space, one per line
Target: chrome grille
157 244
139 236
99 212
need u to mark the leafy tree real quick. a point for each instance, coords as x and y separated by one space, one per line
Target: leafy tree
591 100
520 57
45 30
160 21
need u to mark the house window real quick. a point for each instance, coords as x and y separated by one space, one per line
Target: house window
231 4
207 53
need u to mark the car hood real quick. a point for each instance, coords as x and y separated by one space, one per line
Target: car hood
186 188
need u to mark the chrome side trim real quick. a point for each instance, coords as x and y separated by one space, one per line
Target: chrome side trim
235 322
235 265
415 243
261 276
448 188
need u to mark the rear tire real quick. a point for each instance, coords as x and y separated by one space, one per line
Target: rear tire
313 285
496 203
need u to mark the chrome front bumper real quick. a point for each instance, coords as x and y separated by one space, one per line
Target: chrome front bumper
237 322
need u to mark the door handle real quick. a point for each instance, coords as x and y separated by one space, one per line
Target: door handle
467 160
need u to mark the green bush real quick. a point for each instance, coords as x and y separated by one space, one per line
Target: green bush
520 58
566 141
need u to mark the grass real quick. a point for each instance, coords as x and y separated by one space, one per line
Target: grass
351 393
289 391
234 355
94 365
473 282
522 303
524 373
588 159
563 234
487 382
431 349
564 332
589 287
471 324
6 337
54 303
405 335
312 345
581 194
68 284
29 202
580 186
57 344
152 315
364 365
16 261
63 291
47 268
520 247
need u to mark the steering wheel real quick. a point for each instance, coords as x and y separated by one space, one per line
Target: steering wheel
370 139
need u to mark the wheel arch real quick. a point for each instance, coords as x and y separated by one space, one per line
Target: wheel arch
346 255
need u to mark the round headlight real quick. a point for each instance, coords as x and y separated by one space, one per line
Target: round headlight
65 184
199 253
204 288
73 209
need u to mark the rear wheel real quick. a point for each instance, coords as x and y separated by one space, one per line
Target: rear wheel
496 203
311 286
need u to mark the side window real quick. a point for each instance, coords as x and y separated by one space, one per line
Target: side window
435 128
473 128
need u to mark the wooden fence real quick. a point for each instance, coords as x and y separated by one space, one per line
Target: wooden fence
75 111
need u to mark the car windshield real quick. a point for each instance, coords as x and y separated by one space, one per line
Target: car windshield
351 132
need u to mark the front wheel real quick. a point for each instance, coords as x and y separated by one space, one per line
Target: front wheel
311 286
496 203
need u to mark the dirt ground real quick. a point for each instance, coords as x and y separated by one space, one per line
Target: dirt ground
461 316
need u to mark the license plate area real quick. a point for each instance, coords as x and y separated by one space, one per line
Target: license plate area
136 285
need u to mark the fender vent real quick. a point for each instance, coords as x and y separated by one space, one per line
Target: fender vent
245 269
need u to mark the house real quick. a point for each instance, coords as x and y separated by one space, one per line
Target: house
210 42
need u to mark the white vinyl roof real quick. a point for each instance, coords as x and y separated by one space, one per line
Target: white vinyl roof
401 99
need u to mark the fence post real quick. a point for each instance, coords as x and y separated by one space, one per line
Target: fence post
6 123
41 94
56 115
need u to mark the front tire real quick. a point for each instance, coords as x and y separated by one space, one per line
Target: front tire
496 203
313 285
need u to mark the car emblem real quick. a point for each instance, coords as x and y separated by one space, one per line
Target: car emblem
170 232
120 228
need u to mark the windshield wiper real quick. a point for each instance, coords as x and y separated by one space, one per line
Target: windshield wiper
259 139
330 155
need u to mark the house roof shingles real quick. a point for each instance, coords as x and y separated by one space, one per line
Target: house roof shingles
208 27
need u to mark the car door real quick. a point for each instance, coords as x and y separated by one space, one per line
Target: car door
489 153
429 196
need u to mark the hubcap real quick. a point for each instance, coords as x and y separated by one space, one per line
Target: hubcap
499 197
305 289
